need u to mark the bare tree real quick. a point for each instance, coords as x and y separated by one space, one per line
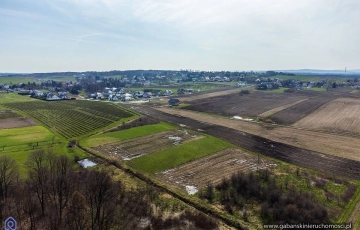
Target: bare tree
9 175
61 185
77 212
101 196
39 176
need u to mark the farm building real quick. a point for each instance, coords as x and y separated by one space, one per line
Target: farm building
174 101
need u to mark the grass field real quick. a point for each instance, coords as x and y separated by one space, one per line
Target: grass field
321 89
18 136
26 79
17 80
111 137
14 97
177 155
298 77
18 143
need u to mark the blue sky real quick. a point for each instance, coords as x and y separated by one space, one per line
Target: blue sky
102 35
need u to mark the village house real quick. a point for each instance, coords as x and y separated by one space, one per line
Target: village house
174 101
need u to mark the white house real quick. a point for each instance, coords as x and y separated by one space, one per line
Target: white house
52 97
168 92
113 97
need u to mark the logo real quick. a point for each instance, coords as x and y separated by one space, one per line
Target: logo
10 224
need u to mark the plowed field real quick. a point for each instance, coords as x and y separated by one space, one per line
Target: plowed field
213 169
340 116
246 105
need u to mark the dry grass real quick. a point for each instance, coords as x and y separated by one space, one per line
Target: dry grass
339 116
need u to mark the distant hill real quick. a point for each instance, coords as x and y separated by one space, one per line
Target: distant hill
321 72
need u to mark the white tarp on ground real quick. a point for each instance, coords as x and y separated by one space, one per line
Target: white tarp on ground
86 163
244 119
191 190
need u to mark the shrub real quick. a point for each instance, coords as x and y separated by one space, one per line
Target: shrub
244 91
291 90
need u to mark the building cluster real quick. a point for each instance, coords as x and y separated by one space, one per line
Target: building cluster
123 94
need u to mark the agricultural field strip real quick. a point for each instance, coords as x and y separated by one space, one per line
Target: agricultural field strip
341 115
212 169
278 109
4 114
70 119
69 123
315 141
340 166
141 146
245 105
188 98
294 113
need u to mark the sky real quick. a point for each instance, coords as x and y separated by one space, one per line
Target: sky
104 35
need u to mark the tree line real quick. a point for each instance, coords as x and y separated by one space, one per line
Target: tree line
279 204
57 195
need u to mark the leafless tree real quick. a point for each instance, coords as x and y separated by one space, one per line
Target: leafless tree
39 176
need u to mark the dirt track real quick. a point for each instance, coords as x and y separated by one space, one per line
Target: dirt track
307 158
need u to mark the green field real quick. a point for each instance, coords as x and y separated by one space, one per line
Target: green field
111 137
18 143
17 80
73 118
298 77
14 97
321 89
177 155
26 79
24 135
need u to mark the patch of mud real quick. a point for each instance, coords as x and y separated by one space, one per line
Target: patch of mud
9 123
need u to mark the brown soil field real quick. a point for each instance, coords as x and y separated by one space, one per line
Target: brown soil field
245 105
339 116
320 151
137 147
212 169
278 109
294 113
9 123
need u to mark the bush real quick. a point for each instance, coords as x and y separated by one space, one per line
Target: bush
291 90
244 91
